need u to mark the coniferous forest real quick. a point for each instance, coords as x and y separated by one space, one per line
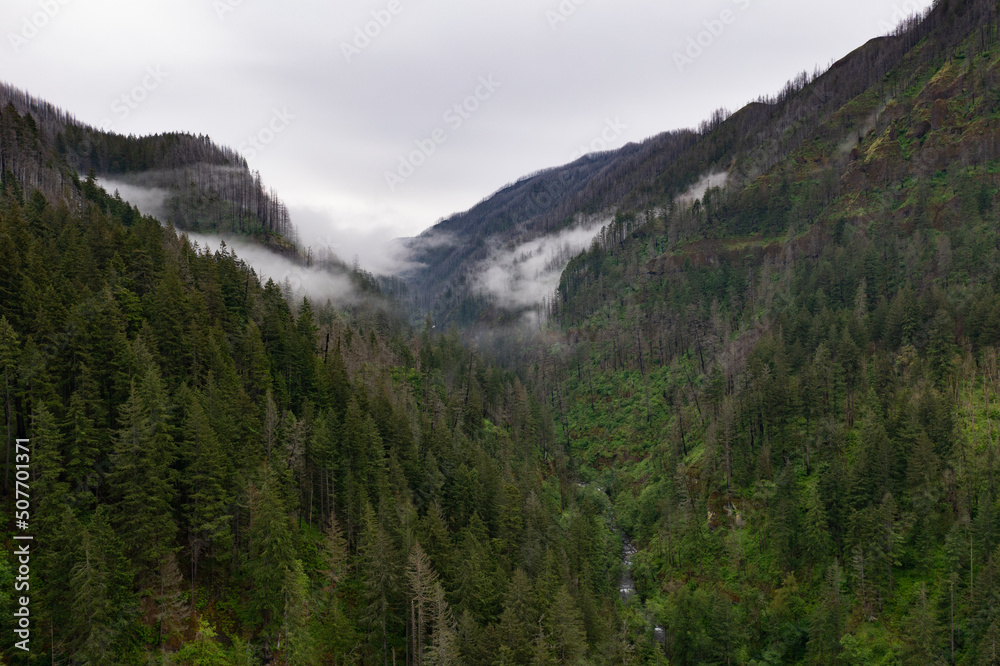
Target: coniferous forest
755 425
220 477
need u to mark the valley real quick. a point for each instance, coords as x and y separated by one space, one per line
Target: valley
730 395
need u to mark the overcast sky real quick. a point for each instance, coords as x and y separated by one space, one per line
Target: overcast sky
336 94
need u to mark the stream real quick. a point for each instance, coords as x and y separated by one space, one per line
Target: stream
626 585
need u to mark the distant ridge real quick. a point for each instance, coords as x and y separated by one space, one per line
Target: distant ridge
211 187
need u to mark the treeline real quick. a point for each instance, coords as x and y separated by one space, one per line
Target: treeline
26 156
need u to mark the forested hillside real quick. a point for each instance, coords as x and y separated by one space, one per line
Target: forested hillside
641 177
789 388
220 478
761 424
209 188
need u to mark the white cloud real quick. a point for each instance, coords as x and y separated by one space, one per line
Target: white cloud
316 283
526 275
697 191
149 200
609 59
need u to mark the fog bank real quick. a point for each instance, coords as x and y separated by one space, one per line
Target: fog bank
527 275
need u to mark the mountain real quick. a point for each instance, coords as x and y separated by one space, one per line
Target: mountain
754 426
214 472
535 206
787 384
206 188
647 176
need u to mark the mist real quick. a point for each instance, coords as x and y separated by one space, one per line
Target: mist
697 191
149 200
296 280
527 275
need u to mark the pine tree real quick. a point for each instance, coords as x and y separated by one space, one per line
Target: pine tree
50 490
338 633
517 622
990 648
204 481
100 589
436 539
827 623
924 634
422 580
142 475
817 532
337 551
270 556
443 650
169 604
379 571
82 449
473 583
299 647
8 367
566 632
304 359
255 365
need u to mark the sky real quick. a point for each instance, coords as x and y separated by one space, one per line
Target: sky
374 119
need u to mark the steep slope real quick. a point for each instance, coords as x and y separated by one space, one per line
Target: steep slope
219 476
208 188
536 206
647 176
788 386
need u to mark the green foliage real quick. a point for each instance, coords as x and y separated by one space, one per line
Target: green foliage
208 474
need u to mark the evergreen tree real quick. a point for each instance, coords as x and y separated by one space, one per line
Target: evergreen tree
142 474
565 625
422 581
8 368
100 588
379 572
443 650
923 632
270 558
204 483
827 624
